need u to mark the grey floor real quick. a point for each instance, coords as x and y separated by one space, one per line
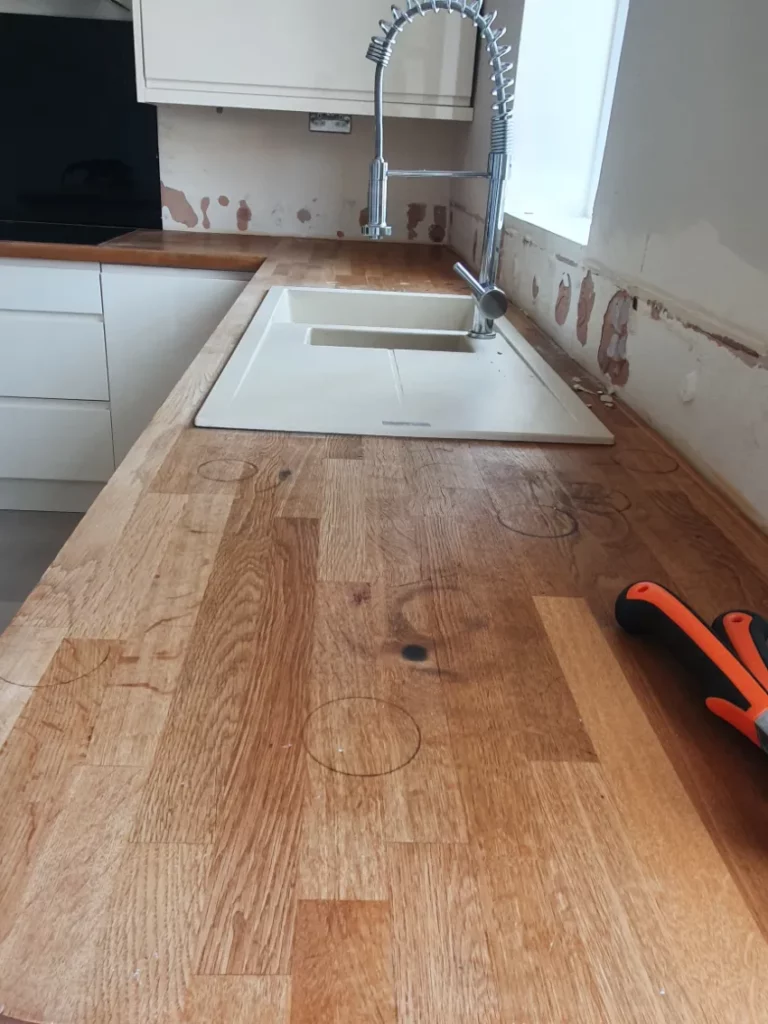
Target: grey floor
29 542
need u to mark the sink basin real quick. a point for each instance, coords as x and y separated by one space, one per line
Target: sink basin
418 341
352 308
326 360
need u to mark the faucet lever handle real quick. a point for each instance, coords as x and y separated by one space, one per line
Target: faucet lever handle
490 300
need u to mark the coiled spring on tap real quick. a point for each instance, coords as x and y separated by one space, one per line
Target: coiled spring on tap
380 50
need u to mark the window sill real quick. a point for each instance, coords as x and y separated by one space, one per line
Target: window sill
573 229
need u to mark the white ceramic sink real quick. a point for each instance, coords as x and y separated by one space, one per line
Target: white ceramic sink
352 308
325 360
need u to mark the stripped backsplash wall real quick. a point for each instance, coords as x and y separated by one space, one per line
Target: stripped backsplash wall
667 300
264 172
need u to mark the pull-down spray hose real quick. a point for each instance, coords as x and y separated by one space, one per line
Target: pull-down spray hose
380 52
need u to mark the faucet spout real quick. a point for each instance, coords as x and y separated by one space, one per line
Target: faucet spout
490 300
488 297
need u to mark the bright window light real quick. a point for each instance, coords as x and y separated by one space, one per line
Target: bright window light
566 75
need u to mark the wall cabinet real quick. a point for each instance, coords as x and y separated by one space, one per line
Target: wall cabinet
300 55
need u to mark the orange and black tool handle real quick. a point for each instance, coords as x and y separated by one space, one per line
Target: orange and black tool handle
746 634
731 690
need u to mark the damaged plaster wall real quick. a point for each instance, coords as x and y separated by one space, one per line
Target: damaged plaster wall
263 171
667 300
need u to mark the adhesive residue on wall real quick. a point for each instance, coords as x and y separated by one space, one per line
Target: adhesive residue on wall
223 200
585 307
179 207
303 215
243 216
437 228
535 288
340 234
416 214
205 202
612 353
563 303
743 352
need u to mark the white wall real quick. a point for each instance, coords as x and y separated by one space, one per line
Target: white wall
682 197
294 182
69 8
471 195
680 224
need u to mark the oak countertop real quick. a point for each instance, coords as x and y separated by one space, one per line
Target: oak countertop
190 250
288 712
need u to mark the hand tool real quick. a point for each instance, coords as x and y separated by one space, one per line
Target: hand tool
730 660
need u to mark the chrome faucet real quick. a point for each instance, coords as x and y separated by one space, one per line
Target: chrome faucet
490 301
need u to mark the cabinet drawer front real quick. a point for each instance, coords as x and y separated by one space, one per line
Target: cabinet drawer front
55 440
48 355
50 287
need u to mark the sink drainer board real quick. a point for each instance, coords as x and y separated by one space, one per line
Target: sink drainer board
337 361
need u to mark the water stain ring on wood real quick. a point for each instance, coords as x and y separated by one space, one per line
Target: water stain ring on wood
58 682
642 460
226 470
362 736
548 522
595 497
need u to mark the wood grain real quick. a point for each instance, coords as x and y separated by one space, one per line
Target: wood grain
135 705
442 965
181 797
149 938
47 956
342 964
345 548
670 840
49 738
259 1000
576 837
25 654
342 854
248 924
184 249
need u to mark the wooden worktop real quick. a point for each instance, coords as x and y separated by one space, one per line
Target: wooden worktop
183 249
311 729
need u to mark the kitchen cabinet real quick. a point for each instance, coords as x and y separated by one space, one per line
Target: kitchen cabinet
300 55
53 355
87 355
55 441
55 425
49 286
156 321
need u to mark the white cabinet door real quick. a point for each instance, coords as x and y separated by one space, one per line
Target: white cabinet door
55 440
52 286
52 355
156 321
300 55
